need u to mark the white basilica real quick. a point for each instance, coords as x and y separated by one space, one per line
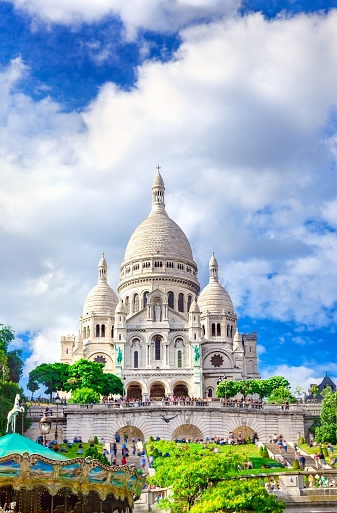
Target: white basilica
162 337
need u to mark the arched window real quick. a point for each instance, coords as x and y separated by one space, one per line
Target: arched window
97 330
103 330
170 296
157 349
181 302
213 330
203 332
227 330
179 359
84 333
231 331
135 303
195 336
210 392
112 332
189 301
67 351
88 332
135 359
218 330
145 294
127 305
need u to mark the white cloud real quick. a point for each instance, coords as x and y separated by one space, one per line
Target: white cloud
237 122
155 15
260 349
302 375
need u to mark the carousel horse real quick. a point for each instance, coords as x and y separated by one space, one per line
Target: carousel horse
11 417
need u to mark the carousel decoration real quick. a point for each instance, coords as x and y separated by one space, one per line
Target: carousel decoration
39 480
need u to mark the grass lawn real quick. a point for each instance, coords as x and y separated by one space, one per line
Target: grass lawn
313 450
72 453
249 450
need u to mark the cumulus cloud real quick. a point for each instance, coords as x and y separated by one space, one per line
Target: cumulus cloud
154 15
237 121
301 375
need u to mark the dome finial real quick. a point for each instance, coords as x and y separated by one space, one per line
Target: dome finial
213 268
102 268
158 193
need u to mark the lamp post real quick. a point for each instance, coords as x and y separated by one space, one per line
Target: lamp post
57 402
23 406
221 379
44 426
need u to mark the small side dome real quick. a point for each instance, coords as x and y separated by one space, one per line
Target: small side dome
194 308
121 308
101 299
214 297
158 181
237 337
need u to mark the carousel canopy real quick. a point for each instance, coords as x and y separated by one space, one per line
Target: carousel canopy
14 443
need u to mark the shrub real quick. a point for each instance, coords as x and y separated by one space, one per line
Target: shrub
325 452
150 439
296 465
155 452
326 433
92 452
265 452
301 442
84 395
261 451
248 440
95 440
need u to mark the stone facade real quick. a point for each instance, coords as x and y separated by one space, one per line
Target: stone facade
161 337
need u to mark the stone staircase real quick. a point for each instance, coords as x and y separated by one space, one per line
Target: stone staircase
290 456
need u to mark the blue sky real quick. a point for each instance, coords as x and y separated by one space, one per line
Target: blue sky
236 100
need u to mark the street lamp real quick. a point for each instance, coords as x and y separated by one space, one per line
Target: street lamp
23 406
57 402
44 426
221 379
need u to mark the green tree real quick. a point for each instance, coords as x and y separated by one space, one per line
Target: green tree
85 374
11 360
84 395
281 395
50 375
299 390
237 496
313 390
326 432
111 384
228 389
275 382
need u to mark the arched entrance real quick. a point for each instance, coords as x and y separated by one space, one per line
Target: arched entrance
180 390
132 432
244 431
157 391
134 391
186 431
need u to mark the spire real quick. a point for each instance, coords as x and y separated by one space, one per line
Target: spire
102 269
158 193
213 268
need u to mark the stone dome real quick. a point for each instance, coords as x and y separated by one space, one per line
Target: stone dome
158 234
121 308
214 297
194 307
101 299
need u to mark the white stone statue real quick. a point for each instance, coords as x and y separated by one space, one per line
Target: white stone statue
11 417
157 312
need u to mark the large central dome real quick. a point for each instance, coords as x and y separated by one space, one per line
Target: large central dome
158 234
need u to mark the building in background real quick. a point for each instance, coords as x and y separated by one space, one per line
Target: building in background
160 336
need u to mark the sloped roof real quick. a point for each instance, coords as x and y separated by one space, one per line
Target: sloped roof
17 444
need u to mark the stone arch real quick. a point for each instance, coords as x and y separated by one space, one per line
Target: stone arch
134 390
132 432
157 390
222 352
245 432
180 389
186 431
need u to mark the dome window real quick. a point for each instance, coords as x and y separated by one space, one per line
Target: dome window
135 303
179 359
180 267
188 269
218 330
213 329
181 302
127 304
128 269
103 330
112 332
158 263
135 267
170 296
145 294
146 265
189 302
97 330
157 349
170 265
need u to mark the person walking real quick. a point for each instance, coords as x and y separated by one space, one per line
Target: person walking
123 461
285 446
114 450
133 449
142 462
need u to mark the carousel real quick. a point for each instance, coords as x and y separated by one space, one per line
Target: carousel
34 479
